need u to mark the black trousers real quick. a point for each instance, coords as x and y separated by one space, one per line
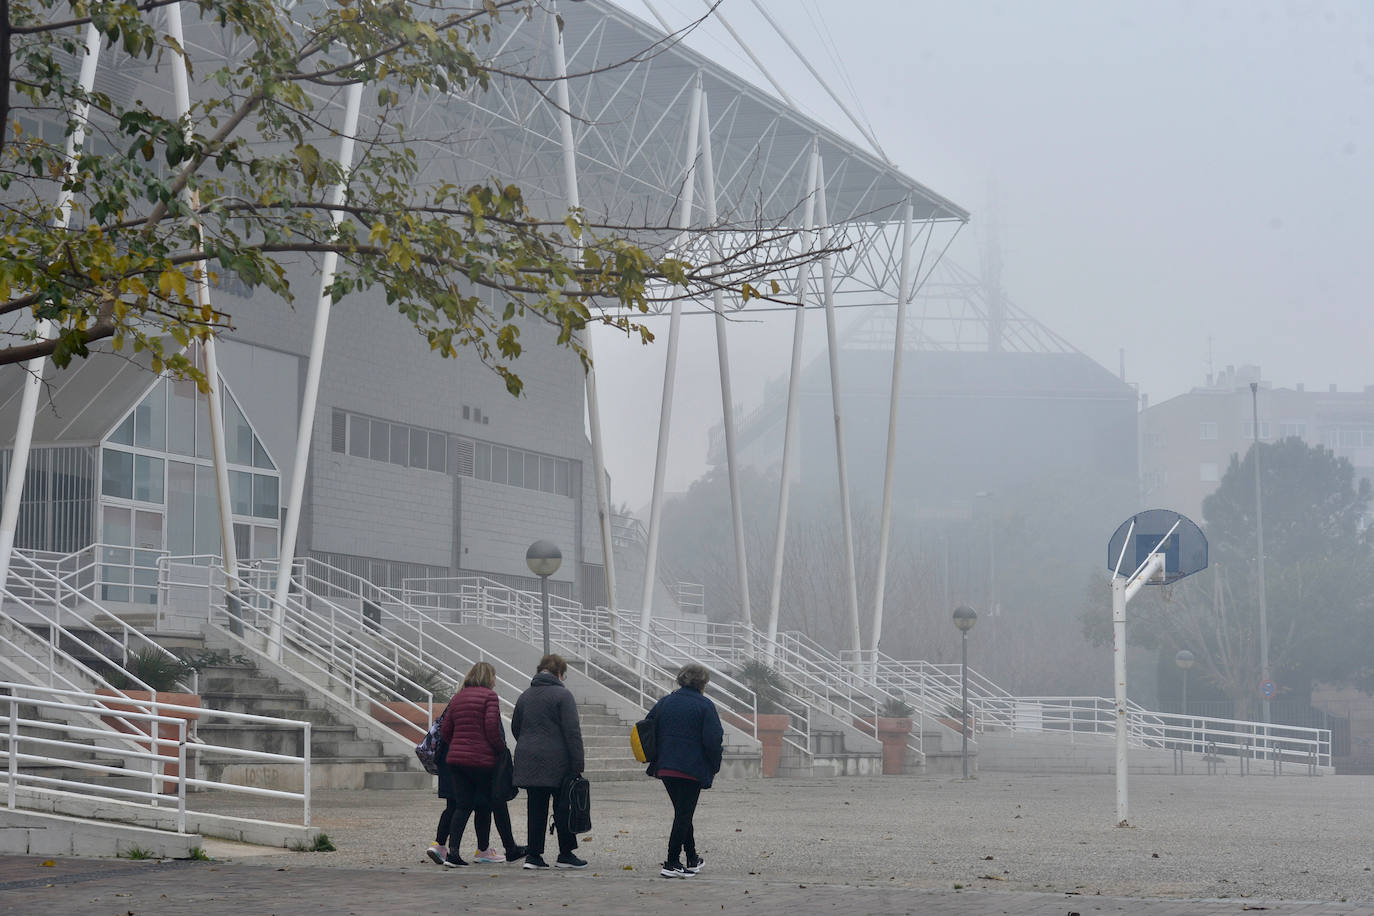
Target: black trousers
684 794
537 803
481 823
472 792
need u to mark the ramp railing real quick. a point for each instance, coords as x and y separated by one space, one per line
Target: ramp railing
166 752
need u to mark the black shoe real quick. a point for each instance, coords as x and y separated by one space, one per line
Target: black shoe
569 860
515 853
695 863
453 861
535 860
674 869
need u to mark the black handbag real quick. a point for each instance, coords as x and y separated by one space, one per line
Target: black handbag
503 778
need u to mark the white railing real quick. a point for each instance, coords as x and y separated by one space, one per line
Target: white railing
1276 745
159 729
55 602
609 647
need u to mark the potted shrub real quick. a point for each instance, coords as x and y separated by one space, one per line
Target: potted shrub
423 693
893 728
164 674
952 716
771 720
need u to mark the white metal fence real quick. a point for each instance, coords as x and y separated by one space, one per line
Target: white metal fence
165 756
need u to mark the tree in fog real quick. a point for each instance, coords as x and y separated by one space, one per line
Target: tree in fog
1318 574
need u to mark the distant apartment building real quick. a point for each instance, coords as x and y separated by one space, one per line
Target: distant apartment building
1187 441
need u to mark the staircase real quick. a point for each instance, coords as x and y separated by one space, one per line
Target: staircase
339 757
606 742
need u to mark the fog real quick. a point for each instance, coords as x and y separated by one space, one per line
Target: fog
1189 183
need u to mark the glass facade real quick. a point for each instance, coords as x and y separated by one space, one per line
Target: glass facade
157 489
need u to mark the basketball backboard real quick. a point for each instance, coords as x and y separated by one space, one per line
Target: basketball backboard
1185 550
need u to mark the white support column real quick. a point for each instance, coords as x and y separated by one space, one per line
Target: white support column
181 91
898 345
669 375
603 502
43 330
789 438
1119 677
286 554
833 347
708 172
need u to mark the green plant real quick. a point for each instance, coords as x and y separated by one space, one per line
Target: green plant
321 843
158 669
418 684
198 854
895 708
138 852
767 684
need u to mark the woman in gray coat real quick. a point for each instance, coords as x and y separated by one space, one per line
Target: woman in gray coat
548 748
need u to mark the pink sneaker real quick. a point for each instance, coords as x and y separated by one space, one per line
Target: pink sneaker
437 853
491 856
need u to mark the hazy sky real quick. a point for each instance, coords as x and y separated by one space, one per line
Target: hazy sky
1176 178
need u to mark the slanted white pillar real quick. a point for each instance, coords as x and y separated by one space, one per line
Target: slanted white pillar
43 329
708 171
833 347
603 502
665 413
286 554
894 399
789 438
214 395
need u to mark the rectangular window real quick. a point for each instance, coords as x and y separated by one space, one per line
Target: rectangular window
241 492
517 468
181 422
264 542
467 412
562 479
266 501
1367 437
358 428
1293 430
207 539
147 479
1207 430
1248 430
1350 438
482 461
546 474
150 419
181 508
438 452
499 458
419 448
1207 472
400 444
381 437
117 474
532 471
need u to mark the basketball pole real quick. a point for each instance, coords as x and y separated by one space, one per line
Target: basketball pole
1123 590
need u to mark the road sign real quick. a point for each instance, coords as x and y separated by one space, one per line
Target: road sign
1268 689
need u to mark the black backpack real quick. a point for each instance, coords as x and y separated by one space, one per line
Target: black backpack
572 806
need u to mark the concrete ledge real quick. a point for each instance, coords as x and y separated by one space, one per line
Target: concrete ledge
40 834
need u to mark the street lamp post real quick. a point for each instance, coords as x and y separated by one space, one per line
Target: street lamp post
1259 548
1184 660
964 619
543 559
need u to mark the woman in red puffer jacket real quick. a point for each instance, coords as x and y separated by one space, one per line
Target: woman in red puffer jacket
473 734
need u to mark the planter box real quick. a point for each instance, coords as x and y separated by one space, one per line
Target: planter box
166 730
411 720
893 732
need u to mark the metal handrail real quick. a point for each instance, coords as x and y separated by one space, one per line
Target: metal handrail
97 616
152 714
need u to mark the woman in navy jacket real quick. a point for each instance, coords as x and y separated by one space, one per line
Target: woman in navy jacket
689 749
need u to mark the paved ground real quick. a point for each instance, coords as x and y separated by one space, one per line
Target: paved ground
1041 846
